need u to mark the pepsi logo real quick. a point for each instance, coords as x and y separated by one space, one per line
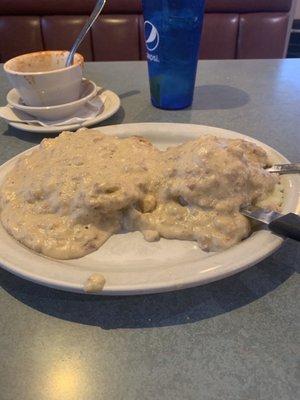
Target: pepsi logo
151 35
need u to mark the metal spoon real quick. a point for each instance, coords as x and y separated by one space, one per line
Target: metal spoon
96 11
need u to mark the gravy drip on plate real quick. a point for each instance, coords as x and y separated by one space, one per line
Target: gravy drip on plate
66 198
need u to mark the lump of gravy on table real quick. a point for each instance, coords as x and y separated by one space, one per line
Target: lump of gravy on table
66 198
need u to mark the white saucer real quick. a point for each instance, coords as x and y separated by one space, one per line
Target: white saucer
111 105
88 90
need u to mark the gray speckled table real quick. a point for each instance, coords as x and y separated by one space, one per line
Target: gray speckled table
234 339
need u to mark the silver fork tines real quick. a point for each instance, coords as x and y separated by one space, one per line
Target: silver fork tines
285 168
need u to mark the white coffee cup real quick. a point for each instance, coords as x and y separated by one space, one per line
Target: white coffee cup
42 79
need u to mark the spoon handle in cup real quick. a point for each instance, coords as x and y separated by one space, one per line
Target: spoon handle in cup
96 11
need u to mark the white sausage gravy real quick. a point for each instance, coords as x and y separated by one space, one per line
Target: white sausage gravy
66 198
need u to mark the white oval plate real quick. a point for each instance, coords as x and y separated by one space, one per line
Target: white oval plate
131 265
111 101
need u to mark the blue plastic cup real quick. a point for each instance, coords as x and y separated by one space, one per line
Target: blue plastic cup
172 35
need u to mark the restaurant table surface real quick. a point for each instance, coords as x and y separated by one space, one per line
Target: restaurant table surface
232 339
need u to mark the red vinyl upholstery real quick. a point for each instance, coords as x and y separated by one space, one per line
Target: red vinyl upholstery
232 28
